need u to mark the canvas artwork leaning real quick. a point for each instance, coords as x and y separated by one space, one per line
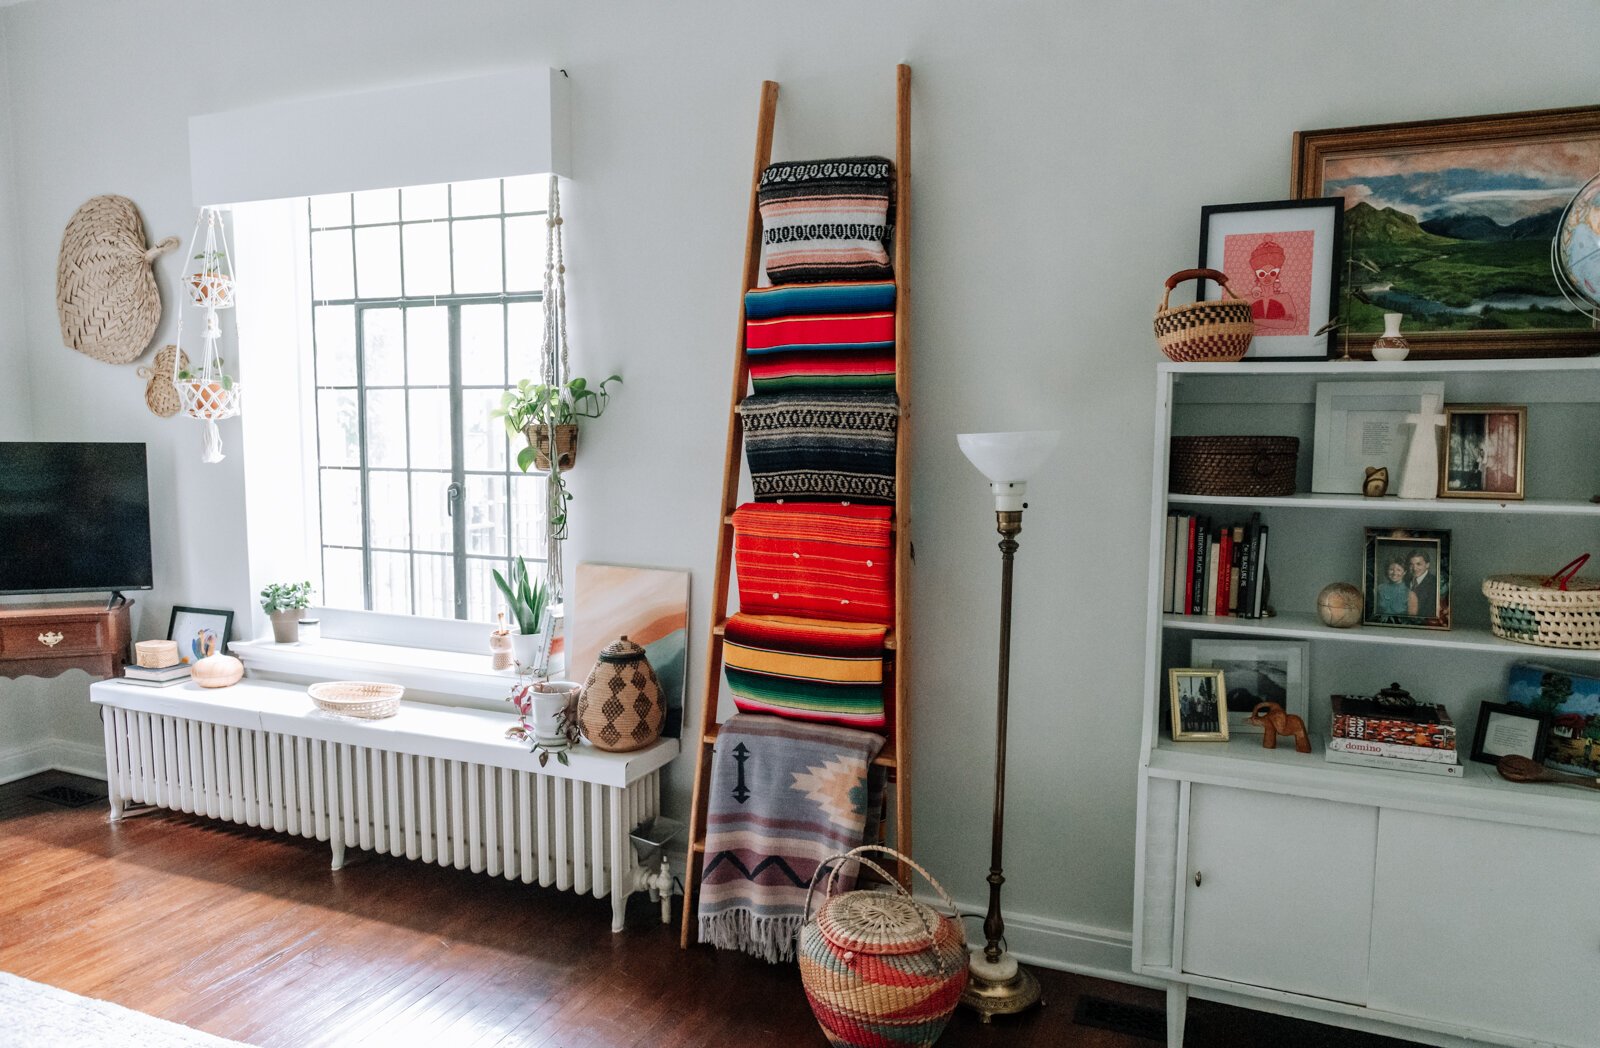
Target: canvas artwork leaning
1572 700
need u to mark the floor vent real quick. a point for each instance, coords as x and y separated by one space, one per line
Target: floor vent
1130 1019
69 796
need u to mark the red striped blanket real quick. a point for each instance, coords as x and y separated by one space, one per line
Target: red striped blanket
825 672
816 560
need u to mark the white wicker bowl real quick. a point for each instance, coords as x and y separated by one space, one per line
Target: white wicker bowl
355 698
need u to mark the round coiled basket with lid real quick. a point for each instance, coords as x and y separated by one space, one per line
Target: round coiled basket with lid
1554 611
1235 466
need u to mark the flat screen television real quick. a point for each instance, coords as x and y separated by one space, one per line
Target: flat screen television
74 518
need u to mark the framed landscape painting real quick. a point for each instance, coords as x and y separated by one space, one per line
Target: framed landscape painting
1449 222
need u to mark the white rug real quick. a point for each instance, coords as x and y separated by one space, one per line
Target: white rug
33 1015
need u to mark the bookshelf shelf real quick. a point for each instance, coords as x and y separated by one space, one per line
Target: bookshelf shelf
1389 504
1308 627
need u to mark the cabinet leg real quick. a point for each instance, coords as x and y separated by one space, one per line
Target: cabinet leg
1177 1012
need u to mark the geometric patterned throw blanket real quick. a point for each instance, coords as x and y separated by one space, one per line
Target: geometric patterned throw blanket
836 297
824 672
826 219
816 560
822 446
784 798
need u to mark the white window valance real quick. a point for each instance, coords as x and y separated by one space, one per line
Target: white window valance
491 126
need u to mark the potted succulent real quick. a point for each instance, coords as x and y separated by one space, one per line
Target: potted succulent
532 409
211 285
283 602
529 600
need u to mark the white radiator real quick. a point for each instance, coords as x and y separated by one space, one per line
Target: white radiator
504 821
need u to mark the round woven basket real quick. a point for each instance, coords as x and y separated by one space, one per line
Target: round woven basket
1552 611
106 294
1204 332
354 698
881 969
1235 466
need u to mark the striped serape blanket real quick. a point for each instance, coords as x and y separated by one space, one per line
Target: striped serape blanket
821 351
825 672
784 797
826 219
822 446
800 300
817 560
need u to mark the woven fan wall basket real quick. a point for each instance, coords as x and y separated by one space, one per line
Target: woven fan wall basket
1248 466
1534 609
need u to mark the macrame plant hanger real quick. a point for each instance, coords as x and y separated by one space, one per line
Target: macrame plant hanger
207 394
553 371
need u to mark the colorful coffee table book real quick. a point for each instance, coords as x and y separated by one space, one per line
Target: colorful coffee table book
1393 730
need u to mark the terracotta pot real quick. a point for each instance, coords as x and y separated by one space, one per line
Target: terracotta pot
622 707
285 625
566 444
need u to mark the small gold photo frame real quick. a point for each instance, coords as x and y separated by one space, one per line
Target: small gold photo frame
1484 450
1199 706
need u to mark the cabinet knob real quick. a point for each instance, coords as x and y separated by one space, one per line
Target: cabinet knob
1197 878
51 639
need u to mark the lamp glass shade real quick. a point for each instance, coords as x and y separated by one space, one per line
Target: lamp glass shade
1009 459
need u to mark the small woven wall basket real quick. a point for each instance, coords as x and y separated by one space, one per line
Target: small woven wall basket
1249 466
354 698
1556 611
1204 332
880 969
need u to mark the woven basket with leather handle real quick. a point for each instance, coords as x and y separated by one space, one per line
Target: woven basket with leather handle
1555 611
1247 466
1204 332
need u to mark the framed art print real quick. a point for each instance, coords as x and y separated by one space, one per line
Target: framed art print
1361 424
1505 729
1483 452
1279 256
199 632
1405 580
1256 672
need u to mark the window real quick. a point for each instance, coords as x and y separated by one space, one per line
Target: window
426 301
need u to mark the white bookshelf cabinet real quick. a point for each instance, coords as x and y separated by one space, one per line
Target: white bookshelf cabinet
1441 910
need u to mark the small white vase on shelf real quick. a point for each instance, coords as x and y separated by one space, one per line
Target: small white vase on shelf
1391 345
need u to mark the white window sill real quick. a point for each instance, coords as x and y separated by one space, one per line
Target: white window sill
447 676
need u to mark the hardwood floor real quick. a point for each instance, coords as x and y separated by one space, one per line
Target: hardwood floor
248 935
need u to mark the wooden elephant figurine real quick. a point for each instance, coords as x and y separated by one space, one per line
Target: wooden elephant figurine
1273 721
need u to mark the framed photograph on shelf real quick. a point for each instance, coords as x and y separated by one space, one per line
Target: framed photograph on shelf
1504 730
1361 424
1406 578
1450 223
199 632
1280 256
1257 671
1198 710
1573 701
1483 452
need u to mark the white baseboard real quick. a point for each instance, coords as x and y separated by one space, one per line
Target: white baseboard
19 762
1103 953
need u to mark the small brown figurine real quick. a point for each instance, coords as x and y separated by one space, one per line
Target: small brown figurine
1376 484
1270 718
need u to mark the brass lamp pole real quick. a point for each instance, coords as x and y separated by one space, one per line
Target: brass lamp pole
996 983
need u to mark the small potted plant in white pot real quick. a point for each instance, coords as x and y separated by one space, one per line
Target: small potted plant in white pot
529 601
283 602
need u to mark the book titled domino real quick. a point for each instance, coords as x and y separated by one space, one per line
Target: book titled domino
1367 760
1394 750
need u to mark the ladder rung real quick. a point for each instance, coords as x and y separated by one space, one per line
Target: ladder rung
882 760
888 638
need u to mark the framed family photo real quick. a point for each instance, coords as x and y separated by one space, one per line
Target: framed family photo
1484 451
1256 672
1406 578
1199 712
1450 222
1279 256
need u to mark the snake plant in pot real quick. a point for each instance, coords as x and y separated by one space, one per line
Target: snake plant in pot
529 601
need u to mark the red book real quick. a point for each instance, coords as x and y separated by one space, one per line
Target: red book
1188 578
1224 570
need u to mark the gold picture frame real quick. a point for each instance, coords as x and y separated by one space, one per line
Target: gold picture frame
1199 705
1416 238
1481 443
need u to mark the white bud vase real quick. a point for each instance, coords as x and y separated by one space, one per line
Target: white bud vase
1391 345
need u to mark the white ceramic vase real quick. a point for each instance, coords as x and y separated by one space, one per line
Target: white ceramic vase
1391 345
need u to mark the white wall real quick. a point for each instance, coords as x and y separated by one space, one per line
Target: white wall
1062 152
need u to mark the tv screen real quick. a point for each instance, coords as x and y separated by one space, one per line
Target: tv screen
74 518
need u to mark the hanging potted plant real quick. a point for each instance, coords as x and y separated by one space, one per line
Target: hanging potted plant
529 600
532 409
283 602
207 396
211 285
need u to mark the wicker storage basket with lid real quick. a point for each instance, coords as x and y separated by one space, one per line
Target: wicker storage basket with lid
621 707
1236 466
1204 332
1556 611
880 969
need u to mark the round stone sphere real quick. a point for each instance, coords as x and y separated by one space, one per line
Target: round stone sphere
217 671
1339 605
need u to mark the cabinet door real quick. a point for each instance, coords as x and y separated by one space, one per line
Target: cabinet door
1487 925
1279 892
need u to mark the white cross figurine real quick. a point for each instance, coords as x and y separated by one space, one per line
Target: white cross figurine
1419 477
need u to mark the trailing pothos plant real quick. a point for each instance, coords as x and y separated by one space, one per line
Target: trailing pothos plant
544 404
189 374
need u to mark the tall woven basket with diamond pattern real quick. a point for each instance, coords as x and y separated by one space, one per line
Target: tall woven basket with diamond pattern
1204 332
880 969
622 707
1558 611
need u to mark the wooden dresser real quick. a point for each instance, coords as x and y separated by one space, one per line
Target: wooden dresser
46 640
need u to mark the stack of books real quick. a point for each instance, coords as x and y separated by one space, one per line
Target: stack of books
1215 570
151 677
1419 738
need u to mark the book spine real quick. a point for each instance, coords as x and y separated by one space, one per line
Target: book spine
1247 573
1188 570
1258 593
1224 570
1169 553
1396 732
1197 580
1394 750
1233 570
1213 558
1179 555
1365 760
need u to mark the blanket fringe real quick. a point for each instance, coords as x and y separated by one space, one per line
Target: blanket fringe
770 938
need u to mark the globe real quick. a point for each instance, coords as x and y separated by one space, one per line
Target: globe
1575 251
1339 605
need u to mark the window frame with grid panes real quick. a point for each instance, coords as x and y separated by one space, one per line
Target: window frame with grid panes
426 304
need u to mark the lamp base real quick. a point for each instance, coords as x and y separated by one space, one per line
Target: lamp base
1002 988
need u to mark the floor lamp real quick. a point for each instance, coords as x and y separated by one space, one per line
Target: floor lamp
996 984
